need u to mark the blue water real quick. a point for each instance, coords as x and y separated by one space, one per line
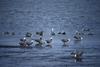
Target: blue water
21 16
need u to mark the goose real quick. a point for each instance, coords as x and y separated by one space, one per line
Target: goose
77 54
78 33
48 42
24 43
24 39
59 32
6 33
28 34
65 41
90 33
52 31
87 29
40 33
13 33
77 37
63 33
40 42
30 43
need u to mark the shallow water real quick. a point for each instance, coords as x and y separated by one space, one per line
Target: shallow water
56 56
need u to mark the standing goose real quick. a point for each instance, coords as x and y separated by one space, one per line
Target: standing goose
25 42
77 36
40 33
65 41
28 34
77 55
40 42
49 42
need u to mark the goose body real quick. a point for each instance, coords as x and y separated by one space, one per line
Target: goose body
24 42
76 37
13 33
48 42
63 33
39 33
28 34
77 54
6 33
65 41
39 41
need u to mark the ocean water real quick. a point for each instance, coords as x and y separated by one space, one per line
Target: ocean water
21 16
